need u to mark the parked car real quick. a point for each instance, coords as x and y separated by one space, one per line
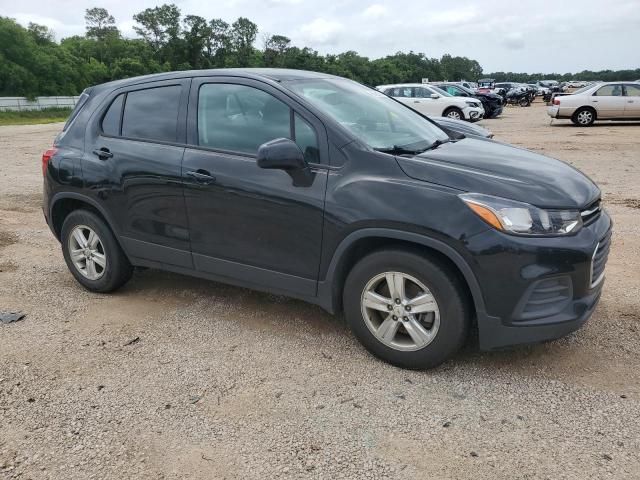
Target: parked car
485 85
430 100
317 187
600 101
491 102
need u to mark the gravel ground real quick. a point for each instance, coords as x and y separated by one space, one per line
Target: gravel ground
174 377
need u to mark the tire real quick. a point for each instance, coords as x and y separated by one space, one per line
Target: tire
524 102
454 112
101 266
447 328
584 117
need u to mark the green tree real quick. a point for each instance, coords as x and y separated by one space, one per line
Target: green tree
243 35
99 23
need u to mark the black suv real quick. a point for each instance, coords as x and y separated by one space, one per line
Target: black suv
319 188
491 102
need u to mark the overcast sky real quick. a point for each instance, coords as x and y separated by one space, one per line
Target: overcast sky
508 35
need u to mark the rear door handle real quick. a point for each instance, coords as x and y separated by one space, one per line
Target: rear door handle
103 153
201 176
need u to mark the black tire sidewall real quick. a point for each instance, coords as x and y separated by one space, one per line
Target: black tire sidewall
574 118
454 109
454 317
118 269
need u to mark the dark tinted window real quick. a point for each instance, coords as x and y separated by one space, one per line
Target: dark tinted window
111 119
240 118
307 140
84 96
152 114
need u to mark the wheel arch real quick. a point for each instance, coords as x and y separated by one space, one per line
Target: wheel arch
362 242
62 204
453 107
585 107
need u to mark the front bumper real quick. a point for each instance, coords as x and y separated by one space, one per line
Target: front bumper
497 110
473 114
536 289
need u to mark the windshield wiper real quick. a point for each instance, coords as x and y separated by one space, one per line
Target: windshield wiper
398 150
436 144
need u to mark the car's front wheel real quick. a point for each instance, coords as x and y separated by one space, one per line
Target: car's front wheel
453 112
92 253
584 117
406 309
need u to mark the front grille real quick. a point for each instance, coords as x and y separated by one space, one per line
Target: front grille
599 260
592 212
545 298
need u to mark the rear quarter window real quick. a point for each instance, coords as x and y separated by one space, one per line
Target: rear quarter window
111 119
82 101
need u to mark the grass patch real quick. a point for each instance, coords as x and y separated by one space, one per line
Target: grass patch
32 117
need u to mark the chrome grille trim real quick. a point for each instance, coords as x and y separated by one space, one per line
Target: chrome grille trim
599 260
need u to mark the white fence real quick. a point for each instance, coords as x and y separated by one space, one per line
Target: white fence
17 104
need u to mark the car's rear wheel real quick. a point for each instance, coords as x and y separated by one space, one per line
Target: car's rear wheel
584 117
453 112
406 309
92 253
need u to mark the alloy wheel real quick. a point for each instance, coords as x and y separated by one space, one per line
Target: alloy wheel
87 252
454 114
400 311
585 117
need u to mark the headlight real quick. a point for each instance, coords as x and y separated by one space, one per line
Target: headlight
473 104
521 218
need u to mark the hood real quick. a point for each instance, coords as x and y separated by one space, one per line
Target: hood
493 168
461 126
489 95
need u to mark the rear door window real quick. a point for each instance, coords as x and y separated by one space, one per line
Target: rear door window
152 114
614 90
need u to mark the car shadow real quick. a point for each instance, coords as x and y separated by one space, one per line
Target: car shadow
598 124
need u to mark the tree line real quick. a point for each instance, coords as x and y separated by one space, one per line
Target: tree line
33 63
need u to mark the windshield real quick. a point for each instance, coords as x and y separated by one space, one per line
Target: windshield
465 89
370 115
440 91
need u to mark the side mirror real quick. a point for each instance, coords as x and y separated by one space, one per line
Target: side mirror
434 96
285 154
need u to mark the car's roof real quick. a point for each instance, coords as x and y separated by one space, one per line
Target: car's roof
393 85
274 74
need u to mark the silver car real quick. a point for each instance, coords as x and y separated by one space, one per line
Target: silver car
600 101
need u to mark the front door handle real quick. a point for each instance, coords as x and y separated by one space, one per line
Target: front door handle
103 153
201 176
630 101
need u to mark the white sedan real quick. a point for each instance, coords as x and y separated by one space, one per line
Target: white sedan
601 101
432 101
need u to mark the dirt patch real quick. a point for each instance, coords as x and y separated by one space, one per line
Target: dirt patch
21 203
8 267
7 238
627 202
